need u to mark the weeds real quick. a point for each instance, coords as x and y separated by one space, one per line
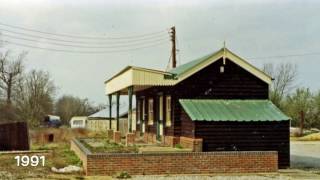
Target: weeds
178 146
104 145
123 175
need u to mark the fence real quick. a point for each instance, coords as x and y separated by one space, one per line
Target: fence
14 136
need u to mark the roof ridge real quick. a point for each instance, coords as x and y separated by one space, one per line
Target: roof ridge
193 62
228 99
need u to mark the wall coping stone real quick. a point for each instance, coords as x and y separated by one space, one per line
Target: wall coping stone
81 146
233 153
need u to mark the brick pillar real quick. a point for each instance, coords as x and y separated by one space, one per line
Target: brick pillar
197 145
136 133
130 139
110 133
145 137
117 137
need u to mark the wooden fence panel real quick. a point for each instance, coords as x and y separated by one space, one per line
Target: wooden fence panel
14 136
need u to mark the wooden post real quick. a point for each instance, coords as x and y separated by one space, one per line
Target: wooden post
137 114
118 113
130 92
142 115
110 111
301 122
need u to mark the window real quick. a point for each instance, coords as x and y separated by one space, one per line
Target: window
150 111
143 109
77 122
138 115
161 108
168 111
221 69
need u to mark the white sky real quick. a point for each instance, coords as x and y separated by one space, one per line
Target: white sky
250 28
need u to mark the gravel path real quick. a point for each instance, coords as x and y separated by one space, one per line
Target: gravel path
224 177
305 154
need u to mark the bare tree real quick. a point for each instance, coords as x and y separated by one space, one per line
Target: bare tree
284 76
35 96
68 106
10 71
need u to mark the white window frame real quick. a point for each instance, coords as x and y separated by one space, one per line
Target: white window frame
150 111
161 108
168 111
143 109
138 112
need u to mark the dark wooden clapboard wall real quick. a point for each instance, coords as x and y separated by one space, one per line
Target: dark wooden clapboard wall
209 83
246 136
233 83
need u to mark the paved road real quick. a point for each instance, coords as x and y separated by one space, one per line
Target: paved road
305 154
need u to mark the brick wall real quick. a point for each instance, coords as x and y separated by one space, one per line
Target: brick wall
171 140
81 152
176 163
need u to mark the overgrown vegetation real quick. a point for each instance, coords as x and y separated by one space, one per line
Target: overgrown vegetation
105 145
123 175
178 146
58 155
61 157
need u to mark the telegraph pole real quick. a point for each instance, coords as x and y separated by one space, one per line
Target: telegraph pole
173 40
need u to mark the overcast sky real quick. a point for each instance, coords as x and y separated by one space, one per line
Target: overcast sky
250 29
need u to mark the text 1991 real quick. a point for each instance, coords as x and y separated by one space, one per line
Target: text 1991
30 161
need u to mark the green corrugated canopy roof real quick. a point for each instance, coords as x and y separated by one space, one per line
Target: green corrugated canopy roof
232 110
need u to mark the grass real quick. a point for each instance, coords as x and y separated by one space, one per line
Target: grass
310 137
56 155
104 145
62 156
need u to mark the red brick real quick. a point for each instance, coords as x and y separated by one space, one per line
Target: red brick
130 138
117 137
178 163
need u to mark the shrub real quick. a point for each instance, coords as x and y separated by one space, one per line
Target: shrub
178 146
123 175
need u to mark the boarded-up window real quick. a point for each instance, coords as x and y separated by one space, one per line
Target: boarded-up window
168 110
161 108
150 111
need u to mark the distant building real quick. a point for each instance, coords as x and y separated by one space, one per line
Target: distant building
78 122
99 121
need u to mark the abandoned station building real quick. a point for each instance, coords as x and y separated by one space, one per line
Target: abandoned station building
218 102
